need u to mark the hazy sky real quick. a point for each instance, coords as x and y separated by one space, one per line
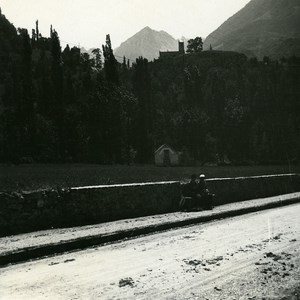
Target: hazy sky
86 22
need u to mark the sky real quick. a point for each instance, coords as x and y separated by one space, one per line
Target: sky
85 23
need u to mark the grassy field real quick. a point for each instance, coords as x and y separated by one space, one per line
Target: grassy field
36 176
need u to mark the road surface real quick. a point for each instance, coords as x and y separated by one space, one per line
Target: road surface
252 256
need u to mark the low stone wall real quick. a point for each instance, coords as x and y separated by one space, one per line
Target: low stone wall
29 211
237 189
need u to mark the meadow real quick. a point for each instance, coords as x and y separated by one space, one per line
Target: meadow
41 176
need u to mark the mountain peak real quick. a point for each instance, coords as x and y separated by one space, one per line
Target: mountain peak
147 28
147 43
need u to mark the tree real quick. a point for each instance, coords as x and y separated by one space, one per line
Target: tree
37 30
97 58
57 81
142 89
110 62
26 105
195 45
124 63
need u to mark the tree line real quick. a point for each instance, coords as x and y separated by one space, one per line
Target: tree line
61 105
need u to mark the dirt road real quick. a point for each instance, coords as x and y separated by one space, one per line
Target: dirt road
253 256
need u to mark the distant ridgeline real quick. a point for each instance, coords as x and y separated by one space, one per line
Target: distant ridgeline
261 28
164 54
60 105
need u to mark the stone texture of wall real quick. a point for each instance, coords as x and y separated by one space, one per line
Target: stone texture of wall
29 211
237 189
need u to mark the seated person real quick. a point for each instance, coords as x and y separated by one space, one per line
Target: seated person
204 196
196 195
190 199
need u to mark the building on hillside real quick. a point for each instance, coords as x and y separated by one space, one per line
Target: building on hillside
167 156
164 54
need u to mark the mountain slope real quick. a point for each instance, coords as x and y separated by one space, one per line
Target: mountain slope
146 43
262 27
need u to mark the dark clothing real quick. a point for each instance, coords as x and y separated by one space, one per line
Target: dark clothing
196 196
202 188
192 189
207 201
206 197
189 193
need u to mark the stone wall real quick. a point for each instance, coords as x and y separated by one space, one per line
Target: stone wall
29 211
237 189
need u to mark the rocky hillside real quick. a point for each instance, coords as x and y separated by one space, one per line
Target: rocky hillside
262 27
146 43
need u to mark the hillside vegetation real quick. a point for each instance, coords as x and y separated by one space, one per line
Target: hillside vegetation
223 104
60 105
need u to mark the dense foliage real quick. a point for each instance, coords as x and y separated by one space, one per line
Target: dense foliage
194 45
58 106
221 104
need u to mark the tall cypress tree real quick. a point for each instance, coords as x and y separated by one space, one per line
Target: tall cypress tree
37 30
142 89
113 138
57 82
110 62
26 108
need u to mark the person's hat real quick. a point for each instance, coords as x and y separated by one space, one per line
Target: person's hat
202 176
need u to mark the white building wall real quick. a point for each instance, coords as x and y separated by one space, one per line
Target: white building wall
159 157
